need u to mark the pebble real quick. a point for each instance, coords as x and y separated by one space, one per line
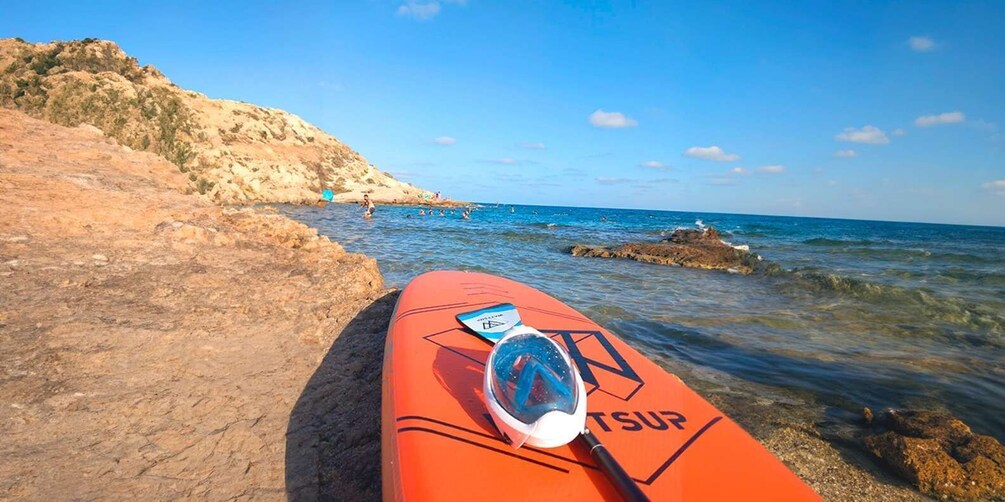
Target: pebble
12 263
99 257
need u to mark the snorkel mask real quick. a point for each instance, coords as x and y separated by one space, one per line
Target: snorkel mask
532 389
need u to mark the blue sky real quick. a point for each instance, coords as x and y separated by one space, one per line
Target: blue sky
872 110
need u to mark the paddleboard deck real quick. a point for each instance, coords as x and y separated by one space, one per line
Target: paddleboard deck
438 441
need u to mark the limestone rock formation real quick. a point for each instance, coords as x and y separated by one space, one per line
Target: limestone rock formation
232 151
155 345
941 455
685 247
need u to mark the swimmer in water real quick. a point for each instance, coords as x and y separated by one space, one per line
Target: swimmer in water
370 207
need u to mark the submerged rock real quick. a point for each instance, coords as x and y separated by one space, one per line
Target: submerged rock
685 247
940 455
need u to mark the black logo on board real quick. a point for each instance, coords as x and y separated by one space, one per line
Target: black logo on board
599 363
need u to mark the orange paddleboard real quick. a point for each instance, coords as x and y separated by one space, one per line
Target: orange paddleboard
438 441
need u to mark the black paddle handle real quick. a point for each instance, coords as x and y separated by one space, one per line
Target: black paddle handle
622 481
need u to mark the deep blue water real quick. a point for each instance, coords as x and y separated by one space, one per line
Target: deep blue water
860 313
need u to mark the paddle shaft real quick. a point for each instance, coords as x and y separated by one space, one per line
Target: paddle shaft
619 478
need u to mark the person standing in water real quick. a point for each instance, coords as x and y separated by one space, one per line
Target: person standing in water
368 204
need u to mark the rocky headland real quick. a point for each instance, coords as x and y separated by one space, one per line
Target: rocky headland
233 152
693 248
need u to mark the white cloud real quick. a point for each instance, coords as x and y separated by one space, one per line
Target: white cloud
612 120
445 140
921 44
655 164
996 187
897 132
605 180
418 10
711 153
506 161
532 146
868 134
773 169
845 154
739 171
942 118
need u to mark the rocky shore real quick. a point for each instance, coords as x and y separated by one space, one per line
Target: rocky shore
155 345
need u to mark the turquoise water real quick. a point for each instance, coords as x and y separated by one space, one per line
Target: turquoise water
856 313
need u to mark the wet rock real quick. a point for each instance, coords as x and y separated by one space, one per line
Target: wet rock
695 237
940 455
921 461
685 247
929 425
867 416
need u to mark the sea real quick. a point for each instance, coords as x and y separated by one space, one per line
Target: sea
846 313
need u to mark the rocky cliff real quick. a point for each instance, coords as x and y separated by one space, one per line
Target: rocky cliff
231 151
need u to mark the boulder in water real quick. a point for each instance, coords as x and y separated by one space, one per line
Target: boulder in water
940 455
685 247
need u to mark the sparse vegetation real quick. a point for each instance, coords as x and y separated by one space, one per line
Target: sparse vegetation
204 185
93 82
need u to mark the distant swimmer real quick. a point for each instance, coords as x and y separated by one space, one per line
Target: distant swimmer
442 213
603 218
512 209
422 212
368 204
466 215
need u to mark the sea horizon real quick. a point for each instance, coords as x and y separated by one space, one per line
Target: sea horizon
835 218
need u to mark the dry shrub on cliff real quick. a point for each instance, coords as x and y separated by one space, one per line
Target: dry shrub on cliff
239 152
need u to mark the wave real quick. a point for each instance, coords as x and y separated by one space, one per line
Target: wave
823 241
869 249
548 226
924 302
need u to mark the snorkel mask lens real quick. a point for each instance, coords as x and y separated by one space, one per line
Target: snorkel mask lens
533 383
532 377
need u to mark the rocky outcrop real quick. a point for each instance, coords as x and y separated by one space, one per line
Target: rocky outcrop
940 455
685 247
155 344
231 151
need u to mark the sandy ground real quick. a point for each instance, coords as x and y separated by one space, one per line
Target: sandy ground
157 346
